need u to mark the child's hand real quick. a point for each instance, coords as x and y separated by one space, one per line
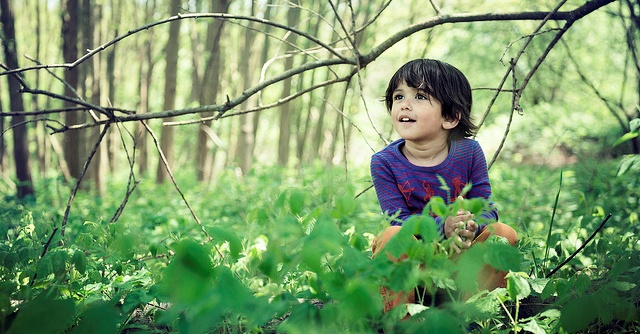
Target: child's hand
462 229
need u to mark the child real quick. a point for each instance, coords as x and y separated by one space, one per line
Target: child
430 106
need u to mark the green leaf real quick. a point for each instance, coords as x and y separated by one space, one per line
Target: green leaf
80 261
578 313
469 264
437 206
43 315
634 125
539 284
346 205
325 238
533 327
517 286
625 137
100 318
502 257
296 201
549 290
219 234
623 286
135 299
435 321
475 205
192 264
424 226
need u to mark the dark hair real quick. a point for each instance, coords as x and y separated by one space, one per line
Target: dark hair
443 82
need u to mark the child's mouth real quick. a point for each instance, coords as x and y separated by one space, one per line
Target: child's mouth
406 120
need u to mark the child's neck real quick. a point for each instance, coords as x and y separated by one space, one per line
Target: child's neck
428 155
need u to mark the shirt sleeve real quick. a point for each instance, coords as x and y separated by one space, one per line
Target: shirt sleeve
481 187
391 200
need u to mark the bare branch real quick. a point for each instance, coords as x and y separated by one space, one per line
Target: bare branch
131 182
175 184
267 106
359 61
508 127
223 16
76 186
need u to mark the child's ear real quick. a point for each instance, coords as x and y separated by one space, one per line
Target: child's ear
451 123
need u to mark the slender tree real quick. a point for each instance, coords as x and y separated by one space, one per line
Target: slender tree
246 139
171 74
293 17
210 84
18 124
72 143
146 67
2 142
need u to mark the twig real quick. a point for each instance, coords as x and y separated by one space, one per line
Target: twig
76 186
507 129
364 191
581 247
131 182
44 251
266 106
517 92
222 16
175 184
35 120
357 54
551 221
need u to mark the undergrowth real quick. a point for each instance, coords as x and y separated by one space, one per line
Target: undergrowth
290 252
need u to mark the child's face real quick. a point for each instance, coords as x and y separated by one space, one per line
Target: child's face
417 117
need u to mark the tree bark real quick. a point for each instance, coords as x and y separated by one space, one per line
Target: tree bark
70 52
293 16
171 74
19 127
146 73
210 85
2 142
89 21
246 139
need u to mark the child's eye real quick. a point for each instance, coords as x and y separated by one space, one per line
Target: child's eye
422 96
398 97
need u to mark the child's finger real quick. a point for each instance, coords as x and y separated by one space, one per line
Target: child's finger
471 225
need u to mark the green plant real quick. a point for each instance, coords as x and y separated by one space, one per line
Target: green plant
291 253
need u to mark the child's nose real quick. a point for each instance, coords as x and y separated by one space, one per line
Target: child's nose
405 104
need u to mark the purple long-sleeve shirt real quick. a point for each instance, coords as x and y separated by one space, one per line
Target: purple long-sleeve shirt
405 188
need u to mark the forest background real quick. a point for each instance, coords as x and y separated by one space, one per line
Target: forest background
130 127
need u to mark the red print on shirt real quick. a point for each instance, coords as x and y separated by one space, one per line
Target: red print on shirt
406 190
428 191
458 184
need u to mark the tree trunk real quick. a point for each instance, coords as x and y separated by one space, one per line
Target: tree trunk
39 128
70 53
210 85
303 128
171 74
113 138
2 143
338 126
293 16
146 72
97 168
19 128
246 140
